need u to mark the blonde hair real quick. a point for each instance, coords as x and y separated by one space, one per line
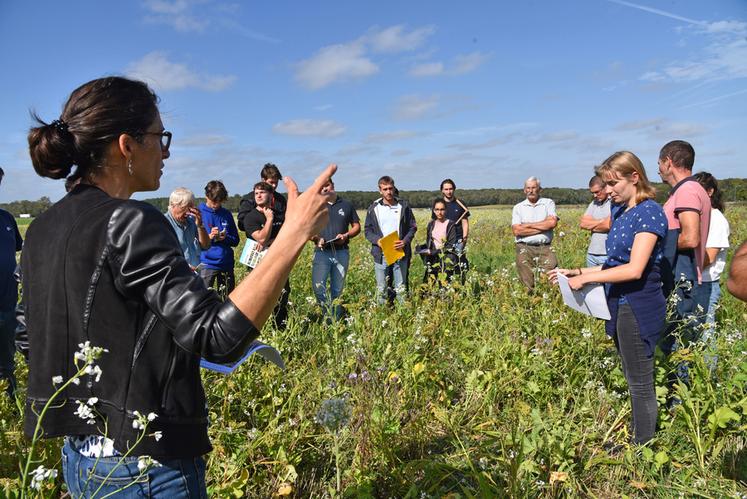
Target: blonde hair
624 164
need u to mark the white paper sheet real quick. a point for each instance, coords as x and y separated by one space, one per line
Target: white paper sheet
590 299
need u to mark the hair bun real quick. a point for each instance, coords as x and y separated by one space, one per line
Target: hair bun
52 149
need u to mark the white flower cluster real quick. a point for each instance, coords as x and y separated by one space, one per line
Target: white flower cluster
85 410
40 474
88 353
141 421
146 462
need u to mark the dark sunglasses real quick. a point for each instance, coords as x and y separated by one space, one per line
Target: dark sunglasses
165 138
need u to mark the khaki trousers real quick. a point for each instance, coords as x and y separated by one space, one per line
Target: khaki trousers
531 260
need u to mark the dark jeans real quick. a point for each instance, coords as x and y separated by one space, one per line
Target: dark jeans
222 281
8 348
638 368
120 477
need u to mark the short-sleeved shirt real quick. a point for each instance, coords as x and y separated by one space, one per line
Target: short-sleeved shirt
388 217
643 217
598 211
186 233
687 195
255 220
454 210
644 295
341 215
718 237
10 243
526 212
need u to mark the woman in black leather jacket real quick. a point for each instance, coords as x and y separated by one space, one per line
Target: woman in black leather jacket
101 268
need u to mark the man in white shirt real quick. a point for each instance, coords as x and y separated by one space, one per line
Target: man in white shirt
532 222
386 215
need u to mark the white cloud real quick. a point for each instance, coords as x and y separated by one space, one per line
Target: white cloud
662 128
629 126
559 136
204 140
427 69
723 58
162 74
334 63
397 39
177 14
374 138
469 62
309 128
460 65
413 107
352 60
198 16
737 27
488 144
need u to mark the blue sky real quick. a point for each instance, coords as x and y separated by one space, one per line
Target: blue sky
487 93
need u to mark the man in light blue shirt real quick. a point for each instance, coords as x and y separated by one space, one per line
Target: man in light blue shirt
187 223
532 222
597 220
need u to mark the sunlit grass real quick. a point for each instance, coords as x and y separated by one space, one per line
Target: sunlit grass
474 391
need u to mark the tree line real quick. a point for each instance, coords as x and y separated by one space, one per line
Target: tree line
734 189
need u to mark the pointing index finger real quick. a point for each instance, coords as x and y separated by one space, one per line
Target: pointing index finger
323 178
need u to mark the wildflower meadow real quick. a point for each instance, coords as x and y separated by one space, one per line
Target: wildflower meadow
478 390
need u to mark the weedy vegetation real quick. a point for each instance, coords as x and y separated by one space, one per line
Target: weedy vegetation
467 391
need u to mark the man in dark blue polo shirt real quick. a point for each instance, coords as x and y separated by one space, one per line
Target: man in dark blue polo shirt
10 243
331 256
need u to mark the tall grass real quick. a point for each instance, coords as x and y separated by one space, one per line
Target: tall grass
473 391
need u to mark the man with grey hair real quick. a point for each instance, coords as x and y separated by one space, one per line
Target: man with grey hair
532 222
186 221
596 220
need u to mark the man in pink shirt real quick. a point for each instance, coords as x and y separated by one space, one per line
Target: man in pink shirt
688 211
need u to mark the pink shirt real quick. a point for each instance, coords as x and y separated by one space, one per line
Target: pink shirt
439 233
689 195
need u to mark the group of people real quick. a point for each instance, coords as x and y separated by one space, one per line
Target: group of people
207 235
643 253
111 282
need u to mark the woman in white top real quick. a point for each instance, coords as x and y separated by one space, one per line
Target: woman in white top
714 262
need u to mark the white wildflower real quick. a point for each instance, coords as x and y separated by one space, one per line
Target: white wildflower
75 381
92 401
40 474
157 435
57 380
84 411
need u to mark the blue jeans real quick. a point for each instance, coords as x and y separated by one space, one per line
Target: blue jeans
708 295
8 348
87 477
689 310
595 260
391 280
332 265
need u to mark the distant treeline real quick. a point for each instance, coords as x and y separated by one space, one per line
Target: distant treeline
735 190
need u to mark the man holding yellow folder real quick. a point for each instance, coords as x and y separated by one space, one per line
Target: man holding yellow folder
390 227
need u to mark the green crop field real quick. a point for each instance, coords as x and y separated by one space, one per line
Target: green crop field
474 391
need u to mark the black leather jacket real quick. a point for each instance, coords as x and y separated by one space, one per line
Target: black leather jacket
110 271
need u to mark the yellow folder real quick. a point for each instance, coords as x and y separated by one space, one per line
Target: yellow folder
391 255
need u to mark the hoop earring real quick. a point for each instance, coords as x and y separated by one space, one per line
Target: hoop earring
129 167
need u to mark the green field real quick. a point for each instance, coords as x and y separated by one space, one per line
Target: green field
474 391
